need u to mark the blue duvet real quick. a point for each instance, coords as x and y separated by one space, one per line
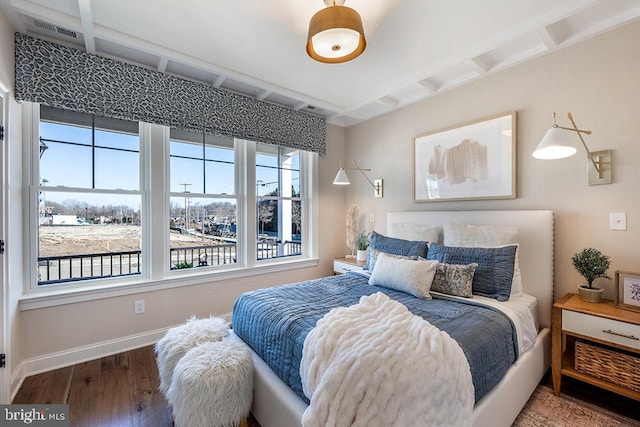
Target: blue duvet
275 322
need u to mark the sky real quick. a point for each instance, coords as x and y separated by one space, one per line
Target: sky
70 165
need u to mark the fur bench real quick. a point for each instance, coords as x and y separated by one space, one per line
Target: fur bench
212 385
180 339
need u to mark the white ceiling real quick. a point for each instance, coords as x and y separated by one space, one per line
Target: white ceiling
415 48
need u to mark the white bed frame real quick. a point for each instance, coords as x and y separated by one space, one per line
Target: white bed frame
276 405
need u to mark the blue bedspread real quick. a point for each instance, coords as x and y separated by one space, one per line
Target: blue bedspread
275 322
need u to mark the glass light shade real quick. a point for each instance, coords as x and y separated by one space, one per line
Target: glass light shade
556 144
335 42
335 35
341 178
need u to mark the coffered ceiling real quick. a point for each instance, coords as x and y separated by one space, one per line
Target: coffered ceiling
415 48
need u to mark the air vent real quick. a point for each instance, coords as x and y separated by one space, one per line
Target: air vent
68 33
44 25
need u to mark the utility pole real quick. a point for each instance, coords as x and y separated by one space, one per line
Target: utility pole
186 205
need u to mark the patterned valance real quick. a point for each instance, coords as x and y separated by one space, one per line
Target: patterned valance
63 77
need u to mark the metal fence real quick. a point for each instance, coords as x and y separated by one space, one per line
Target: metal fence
69 268
201 256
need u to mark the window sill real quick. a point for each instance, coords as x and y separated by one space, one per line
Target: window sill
54 297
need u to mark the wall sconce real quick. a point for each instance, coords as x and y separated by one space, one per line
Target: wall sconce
558 144
342 179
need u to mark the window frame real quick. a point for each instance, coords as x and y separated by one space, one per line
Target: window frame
238 165
281 198
156 273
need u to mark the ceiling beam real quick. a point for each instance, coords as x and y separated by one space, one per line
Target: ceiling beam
478 65
219 81
264 95
388 101
162 65
428 85
86 20
299 106
548 38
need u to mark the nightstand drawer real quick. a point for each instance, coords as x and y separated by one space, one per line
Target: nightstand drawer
603 329
340 267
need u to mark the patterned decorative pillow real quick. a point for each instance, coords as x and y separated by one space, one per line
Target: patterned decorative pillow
411 276
454 279
483 236
379 243
494 273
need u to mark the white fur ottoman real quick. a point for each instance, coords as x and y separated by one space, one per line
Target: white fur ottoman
179 340
212 385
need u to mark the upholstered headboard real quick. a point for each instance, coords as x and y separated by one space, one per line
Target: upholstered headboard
535 236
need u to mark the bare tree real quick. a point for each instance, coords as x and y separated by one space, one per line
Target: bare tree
296 214
265 214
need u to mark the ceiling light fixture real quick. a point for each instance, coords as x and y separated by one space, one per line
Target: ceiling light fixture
335 34
558 143
342 179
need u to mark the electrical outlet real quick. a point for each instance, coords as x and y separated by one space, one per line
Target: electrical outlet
372 217
138 307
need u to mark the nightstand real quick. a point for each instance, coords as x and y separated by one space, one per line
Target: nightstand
342 265
609 334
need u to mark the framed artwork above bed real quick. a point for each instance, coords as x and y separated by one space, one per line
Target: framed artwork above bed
473 160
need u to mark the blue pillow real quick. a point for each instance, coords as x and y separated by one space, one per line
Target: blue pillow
494 274
380 243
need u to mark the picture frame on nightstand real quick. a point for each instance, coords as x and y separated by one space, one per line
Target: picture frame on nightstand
627 290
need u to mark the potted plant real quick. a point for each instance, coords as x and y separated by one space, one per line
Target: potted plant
362 243
591 264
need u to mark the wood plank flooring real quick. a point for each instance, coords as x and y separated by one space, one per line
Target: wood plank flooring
122 391
119 390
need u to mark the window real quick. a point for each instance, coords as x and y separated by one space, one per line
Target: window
118 202
278 202
88 196
203 205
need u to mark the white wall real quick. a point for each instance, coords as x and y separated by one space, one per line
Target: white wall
598 81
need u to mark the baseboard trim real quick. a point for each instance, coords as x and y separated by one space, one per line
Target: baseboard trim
62 359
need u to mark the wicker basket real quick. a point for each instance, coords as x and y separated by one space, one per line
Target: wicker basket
615 366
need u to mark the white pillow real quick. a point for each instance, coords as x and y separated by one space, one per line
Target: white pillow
485 236
424 233
411 276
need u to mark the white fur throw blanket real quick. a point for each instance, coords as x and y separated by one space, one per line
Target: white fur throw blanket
377 364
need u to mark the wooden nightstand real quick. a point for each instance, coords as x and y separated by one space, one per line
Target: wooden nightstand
601 325
342 265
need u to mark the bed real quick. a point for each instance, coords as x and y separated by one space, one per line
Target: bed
281 403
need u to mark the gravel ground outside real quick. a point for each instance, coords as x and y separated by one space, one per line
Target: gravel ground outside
84 239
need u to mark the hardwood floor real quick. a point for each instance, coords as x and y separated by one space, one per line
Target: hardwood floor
119 390
122 390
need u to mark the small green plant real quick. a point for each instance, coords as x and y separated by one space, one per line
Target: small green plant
362 242
183 264
591 264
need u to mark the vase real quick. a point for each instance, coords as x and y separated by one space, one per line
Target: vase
590 294
361 255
